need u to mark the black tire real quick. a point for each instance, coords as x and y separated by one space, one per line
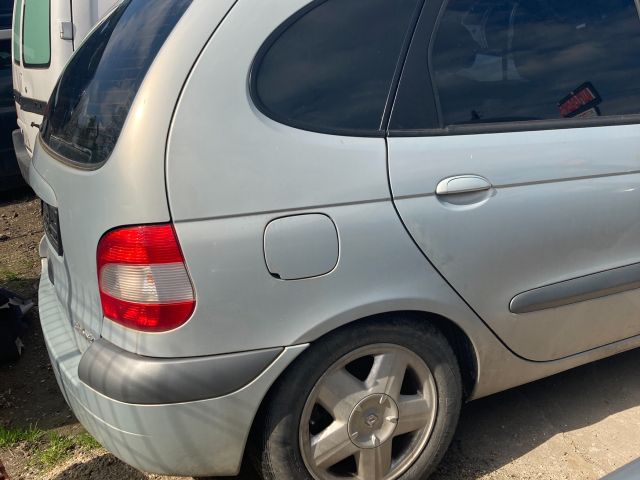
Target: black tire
278 454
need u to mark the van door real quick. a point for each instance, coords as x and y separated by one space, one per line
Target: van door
513 162
86 14
42 55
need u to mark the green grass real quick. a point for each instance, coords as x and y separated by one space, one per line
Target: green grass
10 437
86 441
55 450
46 449
9 276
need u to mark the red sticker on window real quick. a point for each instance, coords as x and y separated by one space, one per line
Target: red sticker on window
581 100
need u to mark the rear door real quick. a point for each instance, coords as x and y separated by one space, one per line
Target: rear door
86 14
9 172
40 56
514 164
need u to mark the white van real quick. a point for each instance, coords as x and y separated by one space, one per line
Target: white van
45 34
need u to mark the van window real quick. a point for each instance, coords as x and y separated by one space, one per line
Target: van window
17 24
527 60
6 11
6 80
36 34
330 68
93 96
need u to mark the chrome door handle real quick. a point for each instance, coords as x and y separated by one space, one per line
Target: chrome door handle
462 184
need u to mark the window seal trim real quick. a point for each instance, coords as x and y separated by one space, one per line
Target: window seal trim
273 37
17 59
430 71
428 21
34 66
67 161
402 60
523 126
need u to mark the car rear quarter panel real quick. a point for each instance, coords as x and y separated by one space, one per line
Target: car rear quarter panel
231 171
130 188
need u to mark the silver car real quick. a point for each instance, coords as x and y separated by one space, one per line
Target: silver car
304 233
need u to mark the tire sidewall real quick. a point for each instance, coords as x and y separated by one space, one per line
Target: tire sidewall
281 457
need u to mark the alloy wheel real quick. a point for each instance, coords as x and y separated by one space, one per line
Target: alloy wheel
369 416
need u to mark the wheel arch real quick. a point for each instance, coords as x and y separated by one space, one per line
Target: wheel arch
459 340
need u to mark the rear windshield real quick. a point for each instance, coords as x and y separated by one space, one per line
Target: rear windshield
36 34
91 102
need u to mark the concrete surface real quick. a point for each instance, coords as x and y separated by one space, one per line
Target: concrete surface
581 424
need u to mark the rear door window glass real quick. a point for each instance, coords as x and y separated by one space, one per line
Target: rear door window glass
527 60
36 34
331 67
17 28
91 102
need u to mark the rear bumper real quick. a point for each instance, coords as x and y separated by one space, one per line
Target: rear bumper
131 378
197 438
22 154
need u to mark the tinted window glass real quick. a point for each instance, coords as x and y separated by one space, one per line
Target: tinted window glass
6 81
36 45
511 60
91 102
17 26
331 69
7 108
6 10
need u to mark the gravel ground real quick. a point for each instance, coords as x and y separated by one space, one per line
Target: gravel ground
578 425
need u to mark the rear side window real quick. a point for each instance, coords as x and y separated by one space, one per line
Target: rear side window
17 24
526 60
330 68
36 34
91 102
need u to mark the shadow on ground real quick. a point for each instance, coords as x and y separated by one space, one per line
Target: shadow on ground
16 195
104 467
107 467
502 428
29 393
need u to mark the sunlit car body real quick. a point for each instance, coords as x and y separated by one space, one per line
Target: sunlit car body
330 223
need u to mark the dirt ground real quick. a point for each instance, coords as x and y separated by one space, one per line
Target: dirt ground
579 425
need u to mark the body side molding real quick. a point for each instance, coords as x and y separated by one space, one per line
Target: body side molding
588 287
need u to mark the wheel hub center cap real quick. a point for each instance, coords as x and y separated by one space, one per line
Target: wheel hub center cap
373 421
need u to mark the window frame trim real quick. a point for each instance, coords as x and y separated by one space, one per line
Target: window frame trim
488 127
34 66
276 34
17 60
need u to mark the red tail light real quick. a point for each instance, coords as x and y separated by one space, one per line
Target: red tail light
143 279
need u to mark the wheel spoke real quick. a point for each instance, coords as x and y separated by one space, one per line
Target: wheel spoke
339 392
414 414
387 373
332 445
374 463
